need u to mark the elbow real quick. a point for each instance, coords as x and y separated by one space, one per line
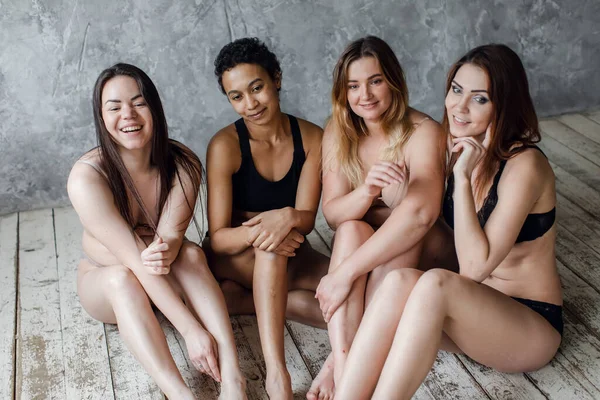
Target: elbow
475 270
330 218
308 228
217 245
472 274
425 215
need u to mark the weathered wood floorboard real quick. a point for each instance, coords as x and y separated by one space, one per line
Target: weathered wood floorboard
252 369
572 139
8 302
571 162
576 191
301 378
594 116
579 258
87 371
579 222
130 381
582 124
40 362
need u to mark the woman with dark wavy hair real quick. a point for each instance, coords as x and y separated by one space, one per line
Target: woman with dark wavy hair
504 306
135 195
383 181
263 196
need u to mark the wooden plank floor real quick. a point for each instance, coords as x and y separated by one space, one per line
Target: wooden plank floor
51 349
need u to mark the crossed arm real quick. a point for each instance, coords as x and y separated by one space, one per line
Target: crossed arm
280 231
409 221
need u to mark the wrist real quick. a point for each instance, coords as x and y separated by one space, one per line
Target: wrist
366 193
293 216
347 271
189 328
461 178
248 233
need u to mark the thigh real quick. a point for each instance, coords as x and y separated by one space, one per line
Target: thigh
491 327
238 268
306 269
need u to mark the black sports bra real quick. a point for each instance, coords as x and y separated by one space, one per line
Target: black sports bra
535 225
252 192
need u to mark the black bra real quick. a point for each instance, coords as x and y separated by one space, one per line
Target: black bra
252 192
535 225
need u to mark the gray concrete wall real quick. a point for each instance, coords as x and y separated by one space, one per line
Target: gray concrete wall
51 52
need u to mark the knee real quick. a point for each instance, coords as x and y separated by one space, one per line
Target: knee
191 260
123 282
352 229
436 282
400 280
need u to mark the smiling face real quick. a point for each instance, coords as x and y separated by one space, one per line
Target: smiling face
468 104
125 113
368 94
252 93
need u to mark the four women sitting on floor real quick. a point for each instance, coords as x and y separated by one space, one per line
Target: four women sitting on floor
414 268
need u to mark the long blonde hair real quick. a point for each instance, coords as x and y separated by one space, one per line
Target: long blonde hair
349 127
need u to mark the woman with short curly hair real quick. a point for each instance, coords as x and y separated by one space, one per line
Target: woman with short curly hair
263 195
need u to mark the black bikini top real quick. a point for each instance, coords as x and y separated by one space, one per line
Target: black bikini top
252 192
535 225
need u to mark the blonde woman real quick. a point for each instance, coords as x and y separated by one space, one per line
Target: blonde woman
383 181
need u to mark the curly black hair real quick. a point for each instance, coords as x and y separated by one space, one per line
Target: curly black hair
246 51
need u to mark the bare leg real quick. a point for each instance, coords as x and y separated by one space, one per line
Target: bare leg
374 337
304 273
203 294
487 325
113 294
270 296
345 321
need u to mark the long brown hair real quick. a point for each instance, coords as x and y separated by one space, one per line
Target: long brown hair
514 121
166 154
349 127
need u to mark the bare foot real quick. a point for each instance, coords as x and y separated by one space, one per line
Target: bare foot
323 386
239 300
279 385
233 388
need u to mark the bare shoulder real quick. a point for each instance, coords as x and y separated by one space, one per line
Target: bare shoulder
423 122
224 150
87 166
531 163
529 172
85 172
426 130
312 134
225 141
